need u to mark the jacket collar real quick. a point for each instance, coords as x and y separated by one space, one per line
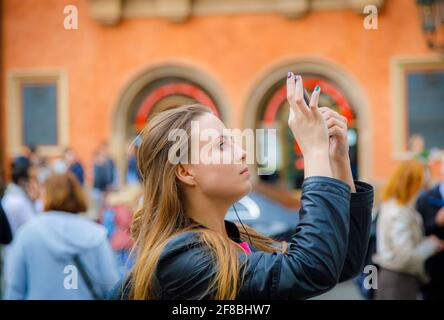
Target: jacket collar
232 230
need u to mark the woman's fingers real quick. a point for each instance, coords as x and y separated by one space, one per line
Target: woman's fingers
291 85
296 105
314 101
335 122
336 131
299 96
329 113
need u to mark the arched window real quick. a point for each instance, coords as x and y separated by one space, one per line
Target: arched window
166 93
156 89
267 108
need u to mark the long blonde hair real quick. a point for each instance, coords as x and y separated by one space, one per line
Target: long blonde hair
162 215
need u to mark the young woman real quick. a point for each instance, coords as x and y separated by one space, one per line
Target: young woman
46 249
402 247
186 250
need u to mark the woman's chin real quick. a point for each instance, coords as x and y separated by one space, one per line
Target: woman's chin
247 187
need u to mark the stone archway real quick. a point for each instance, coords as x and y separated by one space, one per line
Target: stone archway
131 92
272 76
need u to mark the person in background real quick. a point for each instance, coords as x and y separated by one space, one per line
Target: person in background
20 194
417 148
117 217
132 173
431 207
109 165
401 247
5 234
19 204
5 229
104 169
28 157
74 165
43 169
46 248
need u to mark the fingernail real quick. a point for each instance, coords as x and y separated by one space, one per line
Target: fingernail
289 74
317 88
298 77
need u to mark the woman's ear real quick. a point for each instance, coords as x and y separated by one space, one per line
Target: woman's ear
185 175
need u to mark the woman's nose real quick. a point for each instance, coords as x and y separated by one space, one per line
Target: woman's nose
242 154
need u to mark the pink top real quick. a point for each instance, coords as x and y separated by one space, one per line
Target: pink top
245 246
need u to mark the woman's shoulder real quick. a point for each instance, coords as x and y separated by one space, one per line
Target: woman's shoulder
181 246
393 212
183 239
187 258
184 257
391 208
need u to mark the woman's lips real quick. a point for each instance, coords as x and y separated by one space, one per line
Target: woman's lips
245 171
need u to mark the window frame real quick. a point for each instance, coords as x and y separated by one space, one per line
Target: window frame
400 67
15 81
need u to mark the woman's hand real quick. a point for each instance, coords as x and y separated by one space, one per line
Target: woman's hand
337 131
309 128
338 147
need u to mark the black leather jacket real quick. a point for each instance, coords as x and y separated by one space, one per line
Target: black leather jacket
328 246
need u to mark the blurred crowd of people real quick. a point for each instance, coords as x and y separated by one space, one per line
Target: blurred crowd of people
53 218
407 238
410 236
410 228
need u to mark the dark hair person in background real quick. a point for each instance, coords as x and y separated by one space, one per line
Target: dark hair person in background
20 194
186 250
62 236
28 156
74 165
431 207
17 204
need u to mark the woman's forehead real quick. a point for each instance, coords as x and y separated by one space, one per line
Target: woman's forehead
209 121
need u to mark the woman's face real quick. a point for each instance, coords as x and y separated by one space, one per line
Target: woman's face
221 170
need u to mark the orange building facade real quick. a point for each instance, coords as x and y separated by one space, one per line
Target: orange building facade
118 67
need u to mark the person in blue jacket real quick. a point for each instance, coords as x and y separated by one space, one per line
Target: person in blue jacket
60 254
185 249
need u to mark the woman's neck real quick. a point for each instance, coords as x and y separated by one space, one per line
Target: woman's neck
208 212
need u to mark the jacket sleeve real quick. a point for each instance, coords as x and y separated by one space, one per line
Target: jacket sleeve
316 253
361 204
312 264
15 270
